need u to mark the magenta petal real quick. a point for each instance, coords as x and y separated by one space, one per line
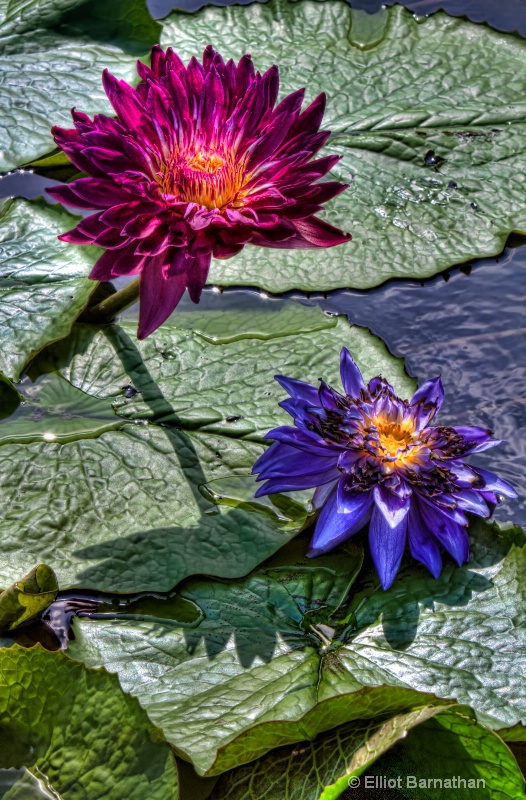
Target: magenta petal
198 160
66 195
197 275
113 264
123 99
310 120
158 295
318 233
76 237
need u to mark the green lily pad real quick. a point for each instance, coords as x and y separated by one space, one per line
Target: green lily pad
203 376
169 494
434 154
52 410
43 283
77 732
28 598
53 55
279 665
428 749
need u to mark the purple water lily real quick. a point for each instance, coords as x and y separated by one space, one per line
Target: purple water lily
199 161
374 457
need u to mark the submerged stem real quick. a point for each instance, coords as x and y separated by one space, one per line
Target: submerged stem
107 309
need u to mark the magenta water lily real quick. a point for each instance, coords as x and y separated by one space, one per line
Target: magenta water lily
199 161
374 457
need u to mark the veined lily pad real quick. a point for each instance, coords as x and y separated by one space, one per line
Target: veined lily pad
53 55
43 283
77 732
52 410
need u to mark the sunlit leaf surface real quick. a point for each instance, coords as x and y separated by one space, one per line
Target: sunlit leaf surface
53 54
43 283
28 597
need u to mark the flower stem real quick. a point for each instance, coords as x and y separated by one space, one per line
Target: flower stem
107 309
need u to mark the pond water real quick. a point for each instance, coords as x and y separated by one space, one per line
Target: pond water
466 324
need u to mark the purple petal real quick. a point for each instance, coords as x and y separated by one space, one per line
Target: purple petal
294 483
303 440
470 500
334 527
379 385
392 507
387 543
445 504
492 483
452 537
422 545
351 376
322 494
465 476
328 397
282 460
476 439
300 389
430 393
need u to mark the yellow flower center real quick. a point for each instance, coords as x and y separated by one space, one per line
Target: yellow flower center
206 162
393 438
204 176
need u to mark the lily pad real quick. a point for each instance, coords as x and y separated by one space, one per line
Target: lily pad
28 598
431 748
53 55
142 507
203 376
77 732
434 155
278 665
52 410
43 284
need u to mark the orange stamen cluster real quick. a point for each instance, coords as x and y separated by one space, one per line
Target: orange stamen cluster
208 177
